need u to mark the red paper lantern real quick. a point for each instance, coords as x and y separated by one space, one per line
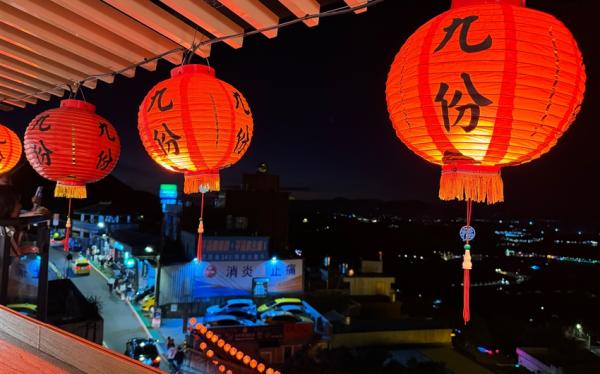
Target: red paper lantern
10 149
487 84
195 124
73 146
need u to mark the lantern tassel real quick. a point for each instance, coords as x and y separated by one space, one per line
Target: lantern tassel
467 265
70 191
470 182
67 229
200 228
194 183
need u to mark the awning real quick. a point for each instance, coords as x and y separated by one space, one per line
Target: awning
48 46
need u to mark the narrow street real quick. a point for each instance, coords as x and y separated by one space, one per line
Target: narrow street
116 330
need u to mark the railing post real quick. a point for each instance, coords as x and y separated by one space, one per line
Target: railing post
4 264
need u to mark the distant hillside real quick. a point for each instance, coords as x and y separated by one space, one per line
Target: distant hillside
107 189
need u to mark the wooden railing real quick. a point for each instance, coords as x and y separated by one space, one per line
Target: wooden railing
67 348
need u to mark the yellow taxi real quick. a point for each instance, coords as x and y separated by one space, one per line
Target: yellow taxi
148 303
82 266
277 303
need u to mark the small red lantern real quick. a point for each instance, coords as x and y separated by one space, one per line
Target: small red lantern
195 124
73 146
10 149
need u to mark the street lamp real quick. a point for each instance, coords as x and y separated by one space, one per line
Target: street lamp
148 249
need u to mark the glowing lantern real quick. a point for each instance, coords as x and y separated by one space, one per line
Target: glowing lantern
195 124
484 85
260 367
253 363
10 149
203 346
227 347
220 343
209 334
214 338
487 84
269 371
246 359
233 351
210 353
239 355
73 146
222 368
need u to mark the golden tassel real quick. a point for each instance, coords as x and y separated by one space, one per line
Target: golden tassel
194 183
470 183
70 191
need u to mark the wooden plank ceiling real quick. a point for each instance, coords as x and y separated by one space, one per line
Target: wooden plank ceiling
50 43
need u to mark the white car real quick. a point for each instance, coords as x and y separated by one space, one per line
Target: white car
237 305
225 320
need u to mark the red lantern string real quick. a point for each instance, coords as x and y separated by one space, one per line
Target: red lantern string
467 266
68 229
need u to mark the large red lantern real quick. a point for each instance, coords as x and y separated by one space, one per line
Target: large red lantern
487 84
195 124
73 146
10 149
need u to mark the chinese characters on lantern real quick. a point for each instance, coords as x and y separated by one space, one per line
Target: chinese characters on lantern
477 99
42 153
166 139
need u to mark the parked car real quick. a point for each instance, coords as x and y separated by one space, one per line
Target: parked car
81 266
278 316
141 294
226 320
27 309
275 304
143 350
148 302
246 305
294 309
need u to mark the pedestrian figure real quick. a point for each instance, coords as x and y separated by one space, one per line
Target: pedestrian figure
171 352
102 260
170 342
111 284
179 356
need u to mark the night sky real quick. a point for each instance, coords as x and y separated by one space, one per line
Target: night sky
321 123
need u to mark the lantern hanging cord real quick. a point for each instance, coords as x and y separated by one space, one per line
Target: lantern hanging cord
67 229
192 49
467 266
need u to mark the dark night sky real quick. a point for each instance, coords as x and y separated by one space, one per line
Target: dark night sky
318 98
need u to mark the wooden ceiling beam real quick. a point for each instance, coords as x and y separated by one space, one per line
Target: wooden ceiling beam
255 13
62 56
353 3
23 89
62 39
162 22
57 16
207 17
14 95
30 81
33 72
42 63
111 19
301 8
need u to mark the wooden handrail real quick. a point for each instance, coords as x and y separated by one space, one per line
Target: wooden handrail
66 347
